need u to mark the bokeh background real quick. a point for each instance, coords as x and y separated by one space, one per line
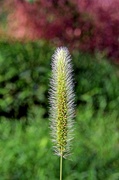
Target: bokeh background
30 31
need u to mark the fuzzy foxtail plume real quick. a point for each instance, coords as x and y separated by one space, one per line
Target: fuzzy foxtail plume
61 102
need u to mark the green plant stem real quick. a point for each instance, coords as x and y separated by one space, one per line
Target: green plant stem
61 166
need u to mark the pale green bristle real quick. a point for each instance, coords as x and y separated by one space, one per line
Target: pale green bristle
61 101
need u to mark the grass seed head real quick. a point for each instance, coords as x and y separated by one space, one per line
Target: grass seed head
61 101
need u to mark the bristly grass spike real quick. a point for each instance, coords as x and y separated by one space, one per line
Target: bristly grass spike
61 103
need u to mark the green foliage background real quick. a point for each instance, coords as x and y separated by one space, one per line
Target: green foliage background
25 144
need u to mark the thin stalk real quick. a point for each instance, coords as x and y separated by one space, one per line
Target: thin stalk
61 158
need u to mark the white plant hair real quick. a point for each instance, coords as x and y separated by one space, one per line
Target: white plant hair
61 102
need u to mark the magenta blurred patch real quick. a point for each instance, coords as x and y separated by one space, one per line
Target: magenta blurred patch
89 25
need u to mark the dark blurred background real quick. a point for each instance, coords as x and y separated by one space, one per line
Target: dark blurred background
30 31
